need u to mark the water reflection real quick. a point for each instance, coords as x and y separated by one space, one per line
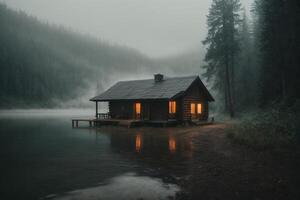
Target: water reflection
127 186
158 147
138 142
172 144
45 156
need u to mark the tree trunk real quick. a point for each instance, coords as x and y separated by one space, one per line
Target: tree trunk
227 79
232 79
226 108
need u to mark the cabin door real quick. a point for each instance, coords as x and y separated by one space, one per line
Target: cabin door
146 111
137 107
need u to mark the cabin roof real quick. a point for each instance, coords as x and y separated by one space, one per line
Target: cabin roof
168 88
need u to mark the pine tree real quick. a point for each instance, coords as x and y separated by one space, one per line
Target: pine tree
279 44
222 22
246 71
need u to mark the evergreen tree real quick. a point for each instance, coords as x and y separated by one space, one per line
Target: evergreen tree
278 31
246 71
222 21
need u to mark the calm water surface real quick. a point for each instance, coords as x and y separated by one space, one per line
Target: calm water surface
43 157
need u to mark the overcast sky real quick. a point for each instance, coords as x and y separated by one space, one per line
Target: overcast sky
155 27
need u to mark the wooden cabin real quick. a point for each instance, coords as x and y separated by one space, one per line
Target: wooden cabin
178 99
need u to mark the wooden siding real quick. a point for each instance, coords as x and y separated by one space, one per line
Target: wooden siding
121 109
150 110
194 95
158 110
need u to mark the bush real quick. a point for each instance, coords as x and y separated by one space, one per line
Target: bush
270 128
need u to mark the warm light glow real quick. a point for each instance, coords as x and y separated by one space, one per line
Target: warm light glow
172 144
138 143
172 107
138 108
199 108
193 108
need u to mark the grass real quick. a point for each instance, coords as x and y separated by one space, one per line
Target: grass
268 129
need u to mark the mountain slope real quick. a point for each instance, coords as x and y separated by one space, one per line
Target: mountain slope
40 63
46 65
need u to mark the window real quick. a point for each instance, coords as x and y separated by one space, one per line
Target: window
199 108
172 107
193 108
138 108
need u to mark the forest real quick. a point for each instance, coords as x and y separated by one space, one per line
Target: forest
46 65
254 65
42 62
251 60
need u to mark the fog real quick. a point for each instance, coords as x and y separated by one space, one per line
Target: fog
62 53
157 28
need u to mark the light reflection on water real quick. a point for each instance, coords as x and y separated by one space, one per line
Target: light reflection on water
172 144
138 142
44 155
126 186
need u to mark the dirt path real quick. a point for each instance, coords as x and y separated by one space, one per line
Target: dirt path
223 170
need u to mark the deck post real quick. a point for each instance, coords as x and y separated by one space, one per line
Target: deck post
96 109
76 123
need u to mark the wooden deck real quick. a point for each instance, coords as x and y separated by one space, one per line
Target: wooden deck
93 122
101 122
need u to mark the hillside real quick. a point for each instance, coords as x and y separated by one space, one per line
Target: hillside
41 63
44 65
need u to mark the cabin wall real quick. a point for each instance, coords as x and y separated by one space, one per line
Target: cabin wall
159 110
194 95
150 110
121 109
179 109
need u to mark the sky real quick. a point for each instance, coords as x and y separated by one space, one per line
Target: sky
157 28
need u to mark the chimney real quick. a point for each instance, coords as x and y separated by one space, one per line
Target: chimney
158 77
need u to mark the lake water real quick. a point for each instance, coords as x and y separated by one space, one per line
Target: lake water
43 157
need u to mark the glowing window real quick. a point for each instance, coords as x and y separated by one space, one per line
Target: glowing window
172 107
199 108
193 108
138 108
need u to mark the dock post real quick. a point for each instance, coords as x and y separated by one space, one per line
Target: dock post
76 123
96 109
90 122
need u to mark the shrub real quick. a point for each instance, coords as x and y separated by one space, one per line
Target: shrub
273 127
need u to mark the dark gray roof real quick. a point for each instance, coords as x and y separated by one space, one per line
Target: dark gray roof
148 89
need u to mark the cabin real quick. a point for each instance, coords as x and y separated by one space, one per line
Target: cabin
179 99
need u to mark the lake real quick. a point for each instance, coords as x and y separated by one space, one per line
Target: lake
43 157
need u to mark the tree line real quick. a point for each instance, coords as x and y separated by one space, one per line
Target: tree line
254 63
41 63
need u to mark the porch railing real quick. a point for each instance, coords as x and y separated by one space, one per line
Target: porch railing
103 116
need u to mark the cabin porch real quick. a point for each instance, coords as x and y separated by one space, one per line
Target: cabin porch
129 123
179 109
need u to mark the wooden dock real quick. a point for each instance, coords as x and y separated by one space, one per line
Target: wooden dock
94 122
102 122
121 122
